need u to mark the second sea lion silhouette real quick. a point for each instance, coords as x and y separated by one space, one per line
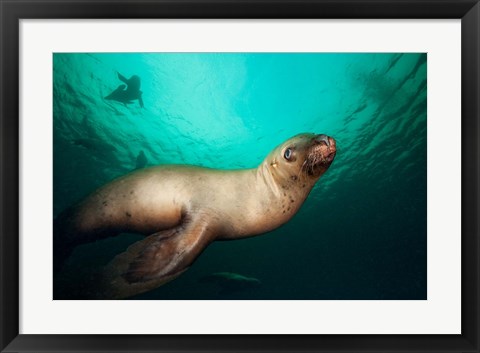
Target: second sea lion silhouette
141 161
229 282
128 92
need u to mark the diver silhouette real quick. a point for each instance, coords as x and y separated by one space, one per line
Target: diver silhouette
127 93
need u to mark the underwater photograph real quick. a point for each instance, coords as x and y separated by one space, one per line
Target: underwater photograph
240 176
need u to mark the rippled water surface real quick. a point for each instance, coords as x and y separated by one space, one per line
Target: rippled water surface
361 234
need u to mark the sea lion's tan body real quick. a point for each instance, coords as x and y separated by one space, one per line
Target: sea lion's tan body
182 209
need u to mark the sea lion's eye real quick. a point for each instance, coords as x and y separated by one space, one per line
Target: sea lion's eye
288 154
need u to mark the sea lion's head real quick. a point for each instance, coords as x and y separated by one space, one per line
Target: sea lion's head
304 157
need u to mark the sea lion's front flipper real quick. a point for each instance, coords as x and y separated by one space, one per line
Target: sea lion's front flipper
155 260
140 100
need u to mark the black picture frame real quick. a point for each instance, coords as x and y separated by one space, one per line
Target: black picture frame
12 11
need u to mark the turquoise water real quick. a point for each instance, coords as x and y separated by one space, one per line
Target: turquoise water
361 234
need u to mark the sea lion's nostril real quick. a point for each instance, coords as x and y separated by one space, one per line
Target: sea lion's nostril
323 138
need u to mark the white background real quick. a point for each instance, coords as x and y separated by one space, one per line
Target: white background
440 314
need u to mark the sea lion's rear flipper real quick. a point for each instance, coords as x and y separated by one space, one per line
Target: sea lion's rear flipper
155 260
122 78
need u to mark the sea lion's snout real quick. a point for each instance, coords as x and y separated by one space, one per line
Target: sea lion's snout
320 154
325 145
326 140
322 138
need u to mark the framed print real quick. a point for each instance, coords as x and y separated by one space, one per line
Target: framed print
232 176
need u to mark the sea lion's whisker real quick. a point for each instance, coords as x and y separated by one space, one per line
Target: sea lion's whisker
302 169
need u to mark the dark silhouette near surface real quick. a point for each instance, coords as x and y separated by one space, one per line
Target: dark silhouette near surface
141 160
128 92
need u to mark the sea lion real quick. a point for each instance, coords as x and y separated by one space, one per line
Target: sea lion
182 209
128 92
141 161
230 283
